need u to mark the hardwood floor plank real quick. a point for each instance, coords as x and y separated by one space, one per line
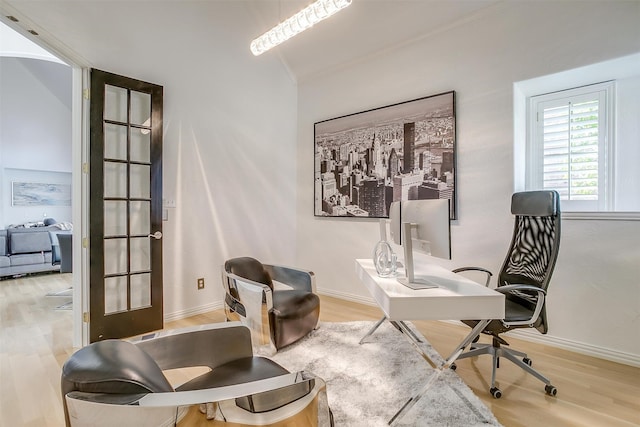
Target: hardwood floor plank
9 411
36 339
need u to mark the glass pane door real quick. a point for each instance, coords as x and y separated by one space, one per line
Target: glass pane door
125 247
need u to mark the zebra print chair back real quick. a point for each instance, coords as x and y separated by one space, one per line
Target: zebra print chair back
534 246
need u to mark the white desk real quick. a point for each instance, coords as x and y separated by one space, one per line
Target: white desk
455 298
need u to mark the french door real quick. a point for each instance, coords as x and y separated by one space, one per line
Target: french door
125 208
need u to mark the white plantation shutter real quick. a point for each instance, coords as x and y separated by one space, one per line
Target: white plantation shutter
569 151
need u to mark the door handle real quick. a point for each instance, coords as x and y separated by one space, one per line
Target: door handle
157 235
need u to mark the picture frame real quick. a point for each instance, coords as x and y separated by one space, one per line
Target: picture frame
40 194
366 160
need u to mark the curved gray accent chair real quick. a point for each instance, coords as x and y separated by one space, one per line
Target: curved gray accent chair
278 303
524 279
118 382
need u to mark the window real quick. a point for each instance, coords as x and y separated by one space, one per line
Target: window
564 138
570 147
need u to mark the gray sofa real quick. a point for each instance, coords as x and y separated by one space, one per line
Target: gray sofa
28 250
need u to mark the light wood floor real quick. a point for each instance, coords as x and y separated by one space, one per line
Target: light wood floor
36 339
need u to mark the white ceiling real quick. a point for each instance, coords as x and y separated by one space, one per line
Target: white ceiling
13 44
365 28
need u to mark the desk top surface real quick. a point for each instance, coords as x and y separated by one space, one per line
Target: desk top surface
455 298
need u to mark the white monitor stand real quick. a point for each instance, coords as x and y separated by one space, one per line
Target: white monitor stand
407 244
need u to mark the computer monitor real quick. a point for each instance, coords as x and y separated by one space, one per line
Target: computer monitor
420 226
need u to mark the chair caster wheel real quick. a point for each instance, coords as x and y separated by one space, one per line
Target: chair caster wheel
550 390
495 392
527 361
453 367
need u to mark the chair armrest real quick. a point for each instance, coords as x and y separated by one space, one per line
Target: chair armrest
248 290
294 277
106 398
217 394
55 255
523 291
257 300
480 269
282 396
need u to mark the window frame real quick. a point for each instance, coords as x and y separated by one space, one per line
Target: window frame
534 163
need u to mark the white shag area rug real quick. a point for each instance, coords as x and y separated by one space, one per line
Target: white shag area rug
367 384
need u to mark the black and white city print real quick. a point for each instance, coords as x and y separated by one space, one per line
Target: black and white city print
367 160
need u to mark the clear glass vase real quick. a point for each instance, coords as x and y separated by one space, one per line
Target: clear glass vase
385 259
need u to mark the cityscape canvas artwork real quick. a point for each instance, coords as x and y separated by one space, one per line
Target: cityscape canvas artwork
367 160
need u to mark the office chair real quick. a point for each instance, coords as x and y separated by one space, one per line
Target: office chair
123 383
277 315
524 279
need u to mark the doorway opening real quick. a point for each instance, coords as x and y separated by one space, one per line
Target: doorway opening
41 158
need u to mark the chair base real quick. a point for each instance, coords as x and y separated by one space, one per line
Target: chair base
305 412
519 358
311 410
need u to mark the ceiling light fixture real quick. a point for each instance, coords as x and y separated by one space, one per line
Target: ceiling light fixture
306 18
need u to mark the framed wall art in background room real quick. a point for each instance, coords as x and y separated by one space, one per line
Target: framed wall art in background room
40 194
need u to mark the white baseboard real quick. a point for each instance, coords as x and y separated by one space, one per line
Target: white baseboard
563 343
579 347
532 336
348 297
182 314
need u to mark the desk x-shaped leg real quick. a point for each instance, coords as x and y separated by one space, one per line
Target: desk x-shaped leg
414 339
445 365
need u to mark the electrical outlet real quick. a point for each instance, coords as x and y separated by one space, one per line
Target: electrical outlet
201 283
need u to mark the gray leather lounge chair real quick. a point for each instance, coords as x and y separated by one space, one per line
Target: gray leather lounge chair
278 303
123 383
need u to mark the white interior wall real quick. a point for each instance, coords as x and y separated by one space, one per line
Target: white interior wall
35 133
594 297
628 112
229 150
229 143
